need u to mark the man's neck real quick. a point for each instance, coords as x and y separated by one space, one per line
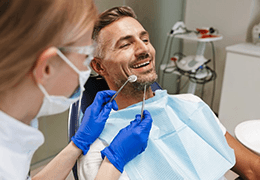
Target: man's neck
124 100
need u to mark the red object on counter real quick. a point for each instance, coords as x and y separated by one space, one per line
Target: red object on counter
208 36
202 31
174 59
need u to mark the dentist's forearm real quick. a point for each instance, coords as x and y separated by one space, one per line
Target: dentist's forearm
107 171
61 165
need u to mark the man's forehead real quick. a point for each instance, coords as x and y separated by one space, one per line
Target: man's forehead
106 37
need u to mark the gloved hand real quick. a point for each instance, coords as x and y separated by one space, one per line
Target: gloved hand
129 142
94 120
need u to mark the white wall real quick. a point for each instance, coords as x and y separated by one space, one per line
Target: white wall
232 18
102 5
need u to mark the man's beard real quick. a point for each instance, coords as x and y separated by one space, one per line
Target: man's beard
148 81
137 87
147 78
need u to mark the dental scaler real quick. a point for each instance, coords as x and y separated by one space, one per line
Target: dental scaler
142 110
131 79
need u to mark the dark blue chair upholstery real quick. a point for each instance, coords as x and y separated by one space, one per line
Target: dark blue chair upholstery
92 86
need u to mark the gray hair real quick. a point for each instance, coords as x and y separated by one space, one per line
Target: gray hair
107 17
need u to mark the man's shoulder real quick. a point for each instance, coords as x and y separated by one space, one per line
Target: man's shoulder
187 97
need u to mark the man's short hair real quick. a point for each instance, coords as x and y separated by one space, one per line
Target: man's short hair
107 17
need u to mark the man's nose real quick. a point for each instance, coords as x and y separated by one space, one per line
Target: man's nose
141 48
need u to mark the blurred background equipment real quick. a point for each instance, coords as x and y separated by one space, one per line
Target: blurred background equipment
194 67
256 34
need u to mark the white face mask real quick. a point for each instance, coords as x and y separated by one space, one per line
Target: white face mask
57 104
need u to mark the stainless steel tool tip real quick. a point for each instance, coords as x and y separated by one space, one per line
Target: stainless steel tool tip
132 78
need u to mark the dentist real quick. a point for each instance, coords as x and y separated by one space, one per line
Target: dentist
45 51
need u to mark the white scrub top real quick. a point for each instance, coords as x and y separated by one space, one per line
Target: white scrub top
18 142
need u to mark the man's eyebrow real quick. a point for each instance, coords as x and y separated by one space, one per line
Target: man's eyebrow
144 33
130 36
124 38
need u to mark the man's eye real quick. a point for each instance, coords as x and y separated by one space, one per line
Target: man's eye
124 45
145 40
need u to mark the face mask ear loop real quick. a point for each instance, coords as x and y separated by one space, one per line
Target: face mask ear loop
78 71
42 88
44 91
67 61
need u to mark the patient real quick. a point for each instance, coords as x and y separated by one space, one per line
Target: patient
187 141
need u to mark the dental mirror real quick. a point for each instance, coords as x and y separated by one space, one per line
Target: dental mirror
131 78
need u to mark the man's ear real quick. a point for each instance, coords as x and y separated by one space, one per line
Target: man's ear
42 70
97 66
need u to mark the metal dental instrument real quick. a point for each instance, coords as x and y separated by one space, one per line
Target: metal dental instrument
131 78
142 111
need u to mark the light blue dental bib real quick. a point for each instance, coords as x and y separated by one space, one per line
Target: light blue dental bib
185 141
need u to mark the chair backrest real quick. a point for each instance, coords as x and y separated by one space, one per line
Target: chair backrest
92 86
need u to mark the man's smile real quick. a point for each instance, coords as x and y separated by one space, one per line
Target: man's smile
141 64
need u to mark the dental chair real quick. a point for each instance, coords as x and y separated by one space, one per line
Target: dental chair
92 86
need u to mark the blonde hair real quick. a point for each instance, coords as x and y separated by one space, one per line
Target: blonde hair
28 27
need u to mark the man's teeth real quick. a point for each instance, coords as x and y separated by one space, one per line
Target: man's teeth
141 65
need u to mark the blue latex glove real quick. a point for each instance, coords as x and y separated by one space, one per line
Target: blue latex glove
129 142
94 120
